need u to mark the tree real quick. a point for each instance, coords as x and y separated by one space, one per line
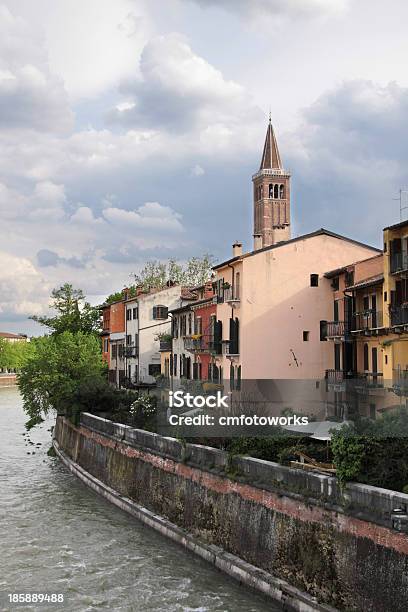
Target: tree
156 274
54 370
74 314
13 354
116 297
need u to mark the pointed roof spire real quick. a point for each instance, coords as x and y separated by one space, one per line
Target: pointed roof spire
270 157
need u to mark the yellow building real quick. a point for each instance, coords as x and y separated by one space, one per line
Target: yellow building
396 302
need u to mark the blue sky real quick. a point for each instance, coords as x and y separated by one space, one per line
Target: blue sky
129 130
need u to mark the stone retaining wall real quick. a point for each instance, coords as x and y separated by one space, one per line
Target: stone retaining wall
294 525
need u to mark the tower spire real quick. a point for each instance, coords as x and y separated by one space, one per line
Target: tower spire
270 158
271 196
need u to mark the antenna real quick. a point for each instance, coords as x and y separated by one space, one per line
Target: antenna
400 200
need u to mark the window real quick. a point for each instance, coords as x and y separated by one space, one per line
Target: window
281 192
276 192
154 369
323 331
349 278
237 285
137 341
365 357
385 296
314 280
105 345
386 359
271 191
336 310
335 283
135 313
175 364
120 351
128 338
160 312
190 328
114 351
366 303
128 314
305 336
234 337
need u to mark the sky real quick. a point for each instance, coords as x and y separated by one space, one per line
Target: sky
130 129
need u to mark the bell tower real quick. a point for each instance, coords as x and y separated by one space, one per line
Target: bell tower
271 196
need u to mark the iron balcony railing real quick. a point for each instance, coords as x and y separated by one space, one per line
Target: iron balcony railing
231 294
399 315
335 329
398 262
230 348
165 345
366 320
131 350
203 343
335 376
400 380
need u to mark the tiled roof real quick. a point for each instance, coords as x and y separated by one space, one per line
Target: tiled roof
367 282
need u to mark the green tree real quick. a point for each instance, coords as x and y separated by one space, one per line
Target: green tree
156 274
73 313
13 354
54 370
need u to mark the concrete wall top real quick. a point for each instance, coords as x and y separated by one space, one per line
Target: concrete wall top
371 503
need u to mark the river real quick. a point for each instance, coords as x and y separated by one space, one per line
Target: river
58 536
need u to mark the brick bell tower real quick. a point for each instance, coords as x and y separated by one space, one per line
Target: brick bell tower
271 196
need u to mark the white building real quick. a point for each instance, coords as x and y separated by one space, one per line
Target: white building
132 340
154 321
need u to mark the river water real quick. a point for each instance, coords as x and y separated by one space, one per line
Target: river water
57 536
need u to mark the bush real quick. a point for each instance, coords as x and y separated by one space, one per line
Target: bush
374 452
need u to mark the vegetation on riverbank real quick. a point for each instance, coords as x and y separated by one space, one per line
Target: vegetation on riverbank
64 371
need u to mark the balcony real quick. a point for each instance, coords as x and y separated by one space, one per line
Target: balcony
231 295
335 329
200 343
399 315
165 346
230 349
369 380
398 262
400 381
131 350
367 322
335 381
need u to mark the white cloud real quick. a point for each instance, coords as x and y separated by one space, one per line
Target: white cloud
22 291
151 215
197 170
30 96
296 9
92 44
179 90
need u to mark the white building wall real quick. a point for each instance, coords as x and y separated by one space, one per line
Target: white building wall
149 327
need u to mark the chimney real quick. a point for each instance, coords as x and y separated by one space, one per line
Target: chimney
237 249
257 242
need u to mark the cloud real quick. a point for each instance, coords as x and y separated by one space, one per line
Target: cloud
151 215
197 170
47 258
178 90
297 9
30 96
22 292
350 156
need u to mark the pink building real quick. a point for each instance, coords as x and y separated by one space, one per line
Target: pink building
272 302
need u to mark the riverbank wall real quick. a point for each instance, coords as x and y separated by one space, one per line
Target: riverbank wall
291 534
8 380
